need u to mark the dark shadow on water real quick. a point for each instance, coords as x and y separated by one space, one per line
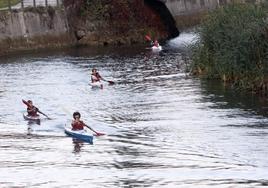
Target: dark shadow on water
121 51
226 97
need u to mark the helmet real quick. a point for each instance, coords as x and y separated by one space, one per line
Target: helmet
76 114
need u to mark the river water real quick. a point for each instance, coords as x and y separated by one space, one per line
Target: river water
163 127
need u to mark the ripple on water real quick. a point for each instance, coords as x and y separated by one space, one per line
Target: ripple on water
164 128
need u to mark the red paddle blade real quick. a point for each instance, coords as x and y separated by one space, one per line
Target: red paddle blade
25 102
99 134
147 37
111 82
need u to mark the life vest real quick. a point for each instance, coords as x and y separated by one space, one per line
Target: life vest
95 77
77 125
32 111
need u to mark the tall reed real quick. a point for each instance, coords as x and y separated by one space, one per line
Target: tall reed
233 46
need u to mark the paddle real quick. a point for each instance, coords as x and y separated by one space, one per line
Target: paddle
97 133
27 104
147 37
100 78
110 82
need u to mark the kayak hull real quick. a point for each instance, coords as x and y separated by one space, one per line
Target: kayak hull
80 134
31 118
97 85
159 48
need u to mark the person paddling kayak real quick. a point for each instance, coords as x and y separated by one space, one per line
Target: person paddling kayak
32 110
77 124
156 44
96 77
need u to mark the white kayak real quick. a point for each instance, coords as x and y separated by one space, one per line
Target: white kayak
79 134
157 48
31 118
96 85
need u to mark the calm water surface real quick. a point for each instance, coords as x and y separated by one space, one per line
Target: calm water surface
164 128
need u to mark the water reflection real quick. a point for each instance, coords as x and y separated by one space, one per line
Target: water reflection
78 144
225 97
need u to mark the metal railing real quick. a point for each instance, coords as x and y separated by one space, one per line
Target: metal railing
21 4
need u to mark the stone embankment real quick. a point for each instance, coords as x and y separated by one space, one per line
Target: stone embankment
82 22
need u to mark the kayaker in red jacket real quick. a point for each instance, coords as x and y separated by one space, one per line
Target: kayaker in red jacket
31 109
77 124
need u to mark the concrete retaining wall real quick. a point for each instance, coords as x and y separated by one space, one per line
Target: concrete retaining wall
30 24
33 27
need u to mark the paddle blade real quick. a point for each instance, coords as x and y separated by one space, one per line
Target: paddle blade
25 102
148 38
111 82
99 134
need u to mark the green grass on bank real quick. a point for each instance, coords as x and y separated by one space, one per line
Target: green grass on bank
4 3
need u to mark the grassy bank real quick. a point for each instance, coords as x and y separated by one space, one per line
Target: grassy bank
4 3
233 46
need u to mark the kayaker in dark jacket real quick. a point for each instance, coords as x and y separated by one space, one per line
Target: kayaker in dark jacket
31 109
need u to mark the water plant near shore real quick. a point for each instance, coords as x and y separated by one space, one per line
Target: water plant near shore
233 46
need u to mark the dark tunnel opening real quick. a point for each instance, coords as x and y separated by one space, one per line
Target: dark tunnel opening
165 15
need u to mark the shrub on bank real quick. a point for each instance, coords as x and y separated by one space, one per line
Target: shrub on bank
233 46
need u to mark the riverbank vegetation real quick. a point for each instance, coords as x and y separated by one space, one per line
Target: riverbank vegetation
5 3
233 46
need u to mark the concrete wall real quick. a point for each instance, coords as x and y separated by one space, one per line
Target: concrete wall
32 24
187 7
32 29
184 7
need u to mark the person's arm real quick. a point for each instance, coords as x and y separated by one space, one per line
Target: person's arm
97 133
100 77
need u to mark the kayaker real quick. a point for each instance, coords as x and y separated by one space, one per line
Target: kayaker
95 76
77 124
156 44
31 109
